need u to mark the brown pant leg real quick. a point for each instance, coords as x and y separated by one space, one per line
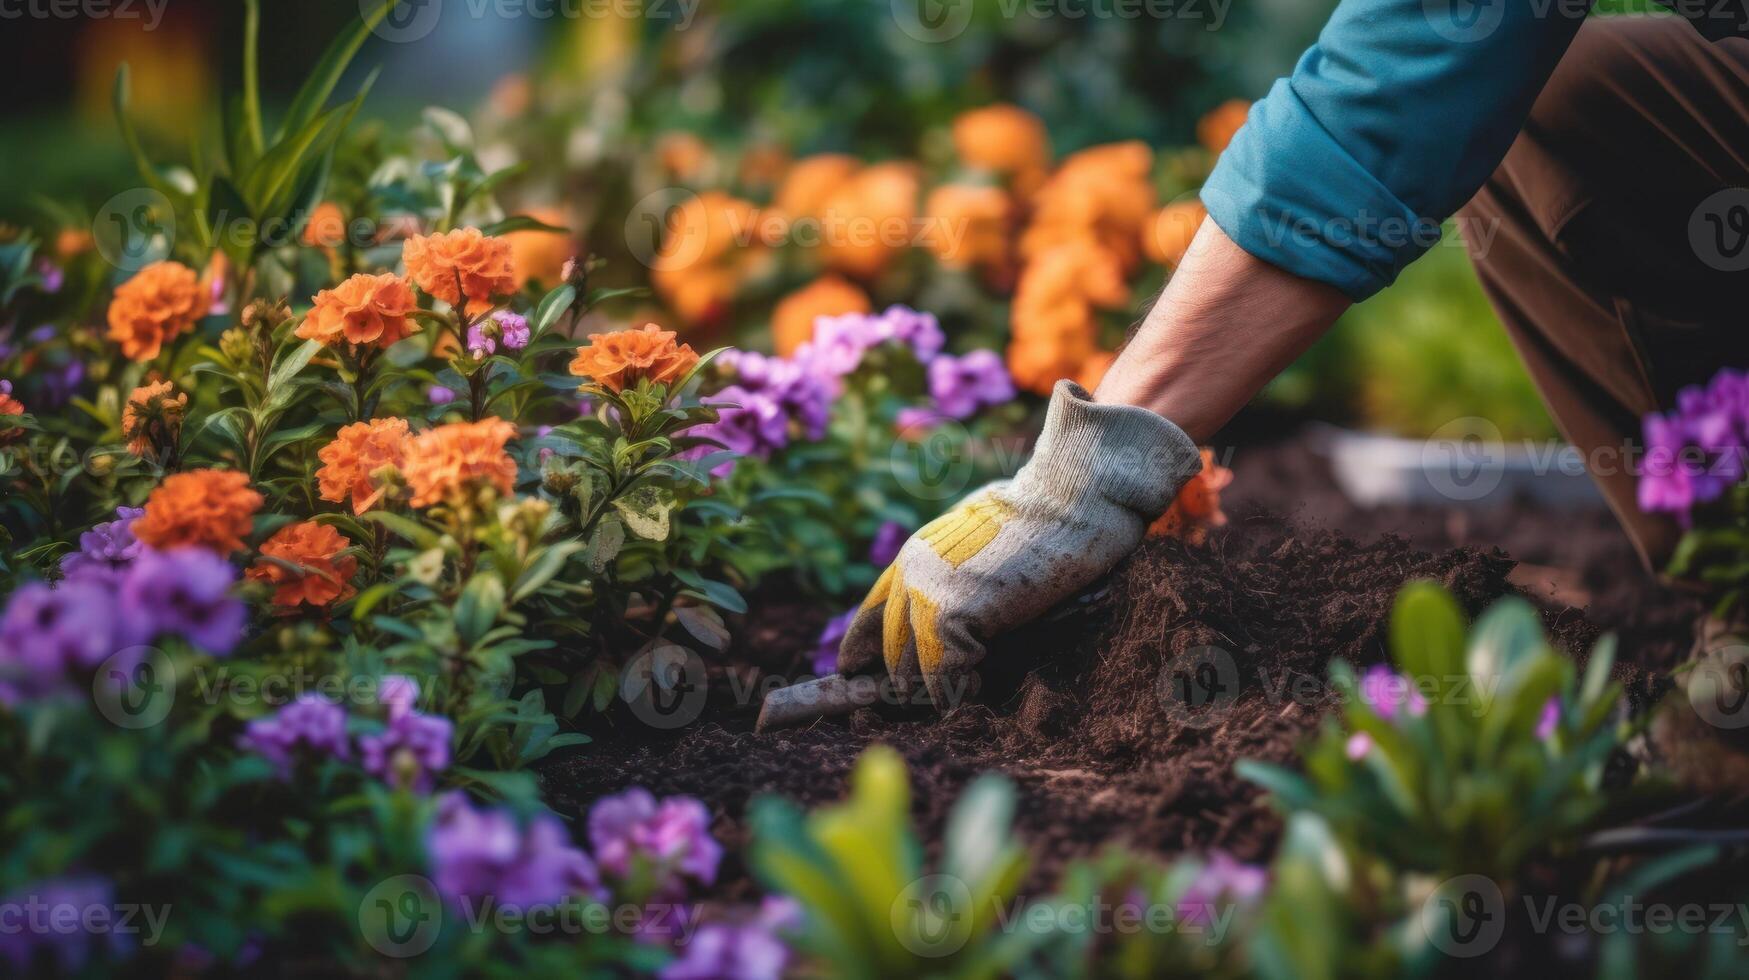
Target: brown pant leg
1594 243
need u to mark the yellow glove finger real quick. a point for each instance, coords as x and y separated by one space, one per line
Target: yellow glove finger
947 653
860 650
896 645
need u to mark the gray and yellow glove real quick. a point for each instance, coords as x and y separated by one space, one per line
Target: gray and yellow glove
1099 475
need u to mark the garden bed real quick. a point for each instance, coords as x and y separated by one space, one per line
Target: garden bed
1100 751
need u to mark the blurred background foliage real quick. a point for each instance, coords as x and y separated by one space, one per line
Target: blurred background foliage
808 76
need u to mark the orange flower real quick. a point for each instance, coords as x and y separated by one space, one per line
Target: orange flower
1006 139
972 226
72 241
326 576
1093 369
461 264
1217 129
868 221
326 227
1104 194
540 256
683 156
617 360
1167 237
511 95
811 182
709 249
10 406
365 309
1198 506
1054 319
448 463
211 509
160 303
152 418
792 320
351 464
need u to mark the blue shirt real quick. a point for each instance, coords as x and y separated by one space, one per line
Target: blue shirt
1389 124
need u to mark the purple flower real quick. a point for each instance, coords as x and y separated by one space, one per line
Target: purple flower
439 394
1222 877
106 551
512 329
506 326
400 694
1696 451
963 385
45 633
666 840
51 275
888 539
914 421
312 722
185 591
826 650
839 342
1549 720
1389 693
60 921
720 951
481 854
920 332
1357 746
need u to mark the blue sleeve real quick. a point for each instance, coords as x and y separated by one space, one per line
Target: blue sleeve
1388 125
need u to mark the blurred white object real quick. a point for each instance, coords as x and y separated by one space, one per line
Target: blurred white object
1464 463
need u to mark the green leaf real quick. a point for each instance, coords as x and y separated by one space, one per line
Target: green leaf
604 545
552 306
520 222
1507 633
119 99
313 94
289 366
645 511
481 601
720 594
1427 632
704 623
546 563
251 95
408 528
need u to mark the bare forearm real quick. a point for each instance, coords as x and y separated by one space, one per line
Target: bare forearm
1226 324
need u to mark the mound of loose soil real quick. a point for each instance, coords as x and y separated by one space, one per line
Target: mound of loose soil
1089 714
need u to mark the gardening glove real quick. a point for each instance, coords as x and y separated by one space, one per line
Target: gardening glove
1099 475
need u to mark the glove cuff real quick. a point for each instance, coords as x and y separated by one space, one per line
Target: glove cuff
1127 455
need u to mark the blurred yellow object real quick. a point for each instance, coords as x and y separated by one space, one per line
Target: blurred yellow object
792 321
169 70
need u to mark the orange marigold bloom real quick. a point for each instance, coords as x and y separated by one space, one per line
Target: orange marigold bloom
617 360
1198 506
709 248
1093 369
811 182
972 226
540 256
461 264
160 303
1104 194
450 461
326 227
327 574
365 309
152 417
210 509
10 406
792 320
72 241
1006 139
1167 237
683 156
869 221
1217 129
1054 319
351 464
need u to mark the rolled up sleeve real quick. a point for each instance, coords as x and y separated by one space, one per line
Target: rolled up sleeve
1388 124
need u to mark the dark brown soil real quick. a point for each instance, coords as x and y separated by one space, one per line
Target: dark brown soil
1087 714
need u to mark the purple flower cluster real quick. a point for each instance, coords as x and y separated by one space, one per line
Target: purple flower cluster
962 385
888 539
478 855
660 843
1696 452
117 597
748 951
771 399
312 724
510 328
840 342
59 922
826 649
414 747
1221 877
1390 694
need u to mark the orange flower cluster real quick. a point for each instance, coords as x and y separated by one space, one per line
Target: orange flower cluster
1170 231
373 310
10 406
160 303
973 227
326 227
1079 248
1006 140
540 256
450 462
617 360
326 576
1198 506
709 249
792 320
152 417
211 509
861 218
1217 129
352 463
461 264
